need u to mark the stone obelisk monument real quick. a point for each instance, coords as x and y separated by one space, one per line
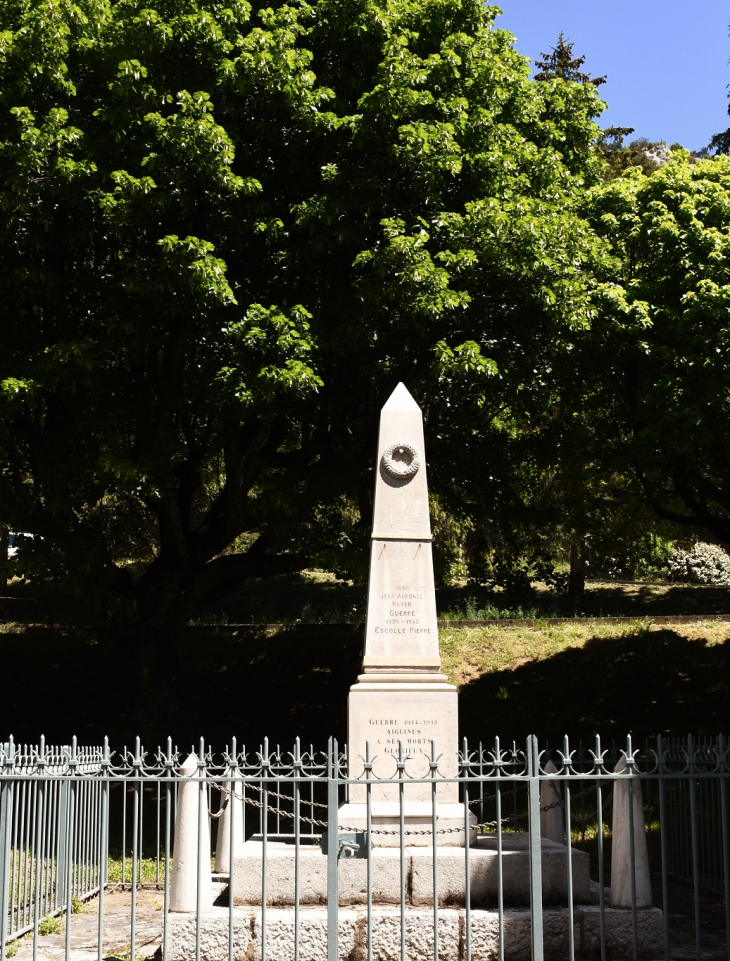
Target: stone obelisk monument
402 702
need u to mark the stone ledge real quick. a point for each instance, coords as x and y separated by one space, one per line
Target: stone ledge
386 926
386 874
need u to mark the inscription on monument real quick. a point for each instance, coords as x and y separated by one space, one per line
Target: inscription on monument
400 611
385 735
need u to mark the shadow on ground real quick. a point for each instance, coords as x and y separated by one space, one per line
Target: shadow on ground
645 600
295 683
216 684
643 683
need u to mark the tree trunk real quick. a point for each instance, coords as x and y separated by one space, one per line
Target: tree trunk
577 578
4 541
146 619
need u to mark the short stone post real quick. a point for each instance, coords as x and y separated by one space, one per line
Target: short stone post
191 854
621 862
552 812
230 819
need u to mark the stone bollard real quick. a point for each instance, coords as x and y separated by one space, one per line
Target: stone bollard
621 863
232 816
552 821
191 854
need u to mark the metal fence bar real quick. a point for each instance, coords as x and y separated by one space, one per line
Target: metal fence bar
332 852
433 767
725 822
167 771
368 770
103 847
632 849
467 863
569 863
69 816
663 844
401 767
500 878
695 851
232 834
536 929
40 785
7 792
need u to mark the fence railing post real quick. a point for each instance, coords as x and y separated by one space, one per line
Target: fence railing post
333 850
533 772
6 823
63 828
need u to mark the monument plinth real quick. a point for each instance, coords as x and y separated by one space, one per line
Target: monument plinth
402 703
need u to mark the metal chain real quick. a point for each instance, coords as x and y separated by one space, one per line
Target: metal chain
284 797
323 824
577 818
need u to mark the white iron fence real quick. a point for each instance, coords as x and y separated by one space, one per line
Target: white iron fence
575 852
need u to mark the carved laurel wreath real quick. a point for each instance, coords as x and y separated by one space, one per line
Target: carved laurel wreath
400 469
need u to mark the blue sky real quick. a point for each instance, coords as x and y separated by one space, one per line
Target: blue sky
667 62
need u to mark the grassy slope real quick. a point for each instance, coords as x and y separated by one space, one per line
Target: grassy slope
575 679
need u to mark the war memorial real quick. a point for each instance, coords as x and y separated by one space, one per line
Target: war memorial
404 870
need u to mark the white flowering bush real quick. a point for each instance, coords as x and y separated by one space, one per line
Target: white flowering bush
699 563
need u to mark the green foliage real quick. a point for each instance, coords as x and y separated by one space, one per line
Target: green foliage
450 536
654 385
227 233
561 64
646 154
49 925
77 905
472 610
121 870
628 557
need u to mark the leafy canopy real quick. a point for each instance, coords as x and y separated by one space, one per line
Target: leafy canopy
228 232
657 356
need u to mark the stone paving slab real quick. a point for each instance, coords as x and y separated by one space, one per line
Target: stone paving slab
117 939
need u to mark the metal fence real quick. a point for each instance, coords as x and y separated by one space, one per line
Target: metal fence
52 831
77 823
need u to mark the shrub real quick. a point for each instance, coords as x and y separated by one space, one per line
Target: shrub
699 563
626 559
49 925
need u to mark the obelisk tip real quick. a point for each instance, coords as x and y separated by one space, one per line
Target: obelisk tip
401 400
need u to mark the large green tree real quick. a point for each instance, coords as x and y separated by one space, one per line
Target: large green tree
227 233
654 390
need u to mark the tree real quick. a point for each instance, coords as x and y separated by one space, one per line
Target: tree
561 64
720 143
227 234
656 358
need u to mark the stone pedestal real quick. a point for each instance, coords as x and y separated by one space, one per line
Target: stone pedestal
418 869
402 707
184 932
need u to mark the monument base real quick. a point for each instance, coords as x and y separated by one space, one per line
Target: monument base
417 822
418 867
282 930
